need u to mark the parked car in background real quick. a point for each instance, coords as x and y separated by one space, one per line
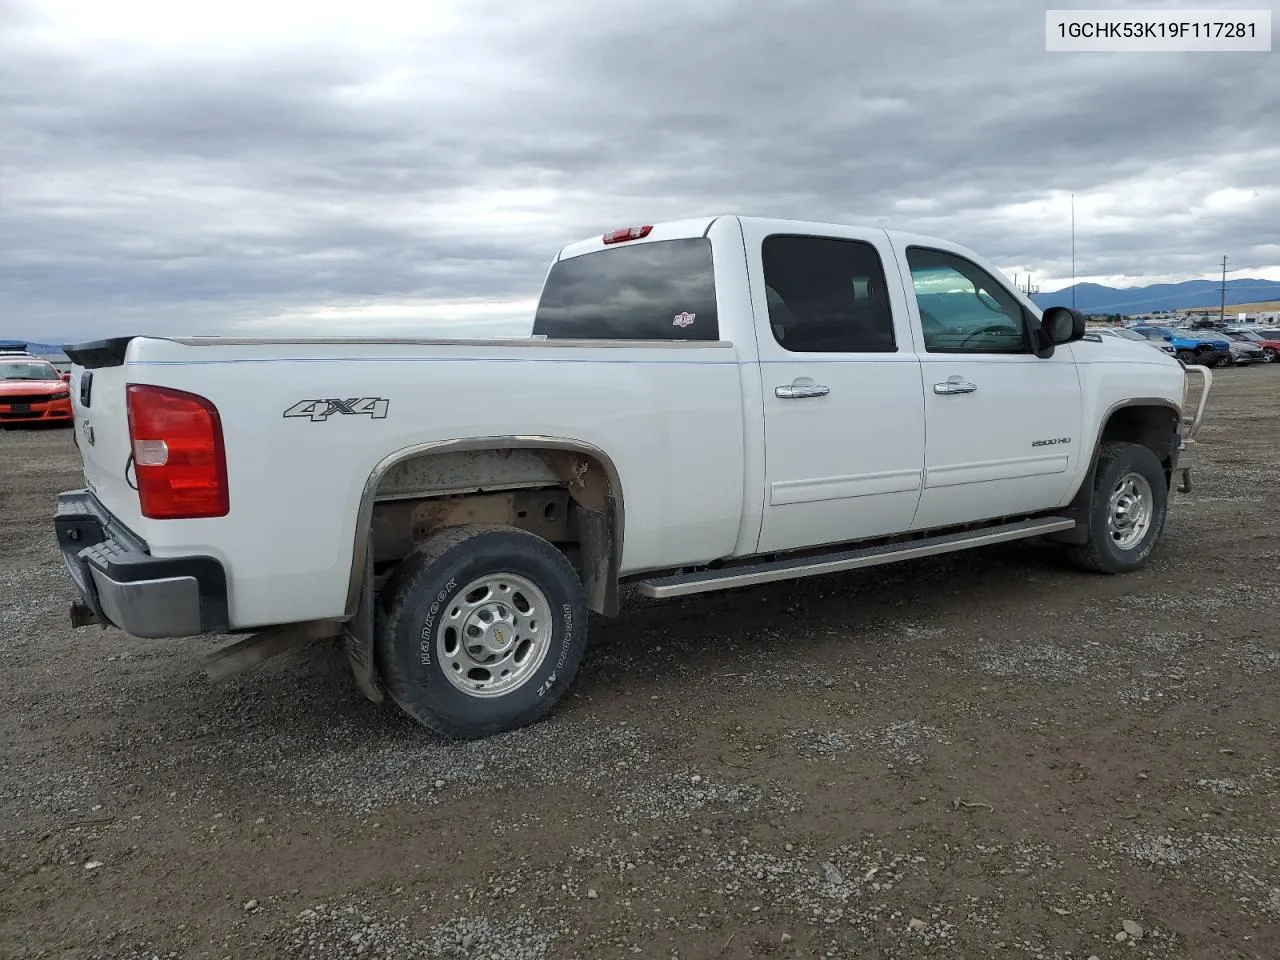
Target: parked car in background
1123 333
1268 341
32 390
1191 346
1243 350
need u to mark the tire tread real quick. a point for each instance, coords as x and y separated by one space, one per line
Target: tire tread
1092 555
394 606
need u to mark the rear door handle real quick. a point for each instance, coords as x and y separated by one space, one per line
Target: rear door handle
796 391
954 385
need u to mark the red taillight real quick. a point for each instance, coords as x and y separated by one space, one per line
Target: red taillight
626 233
178 456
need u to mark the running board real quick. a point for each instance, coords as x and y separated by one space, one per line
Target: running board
749 575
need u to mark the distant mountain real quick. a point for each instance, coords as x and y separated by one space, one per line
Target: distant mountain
1096 298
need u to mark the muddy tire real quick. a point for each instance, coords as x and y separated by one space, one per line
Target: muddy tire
1130 502
481 630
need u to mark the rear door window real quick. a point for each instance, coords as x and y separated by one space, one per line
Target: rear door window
826 295
663 290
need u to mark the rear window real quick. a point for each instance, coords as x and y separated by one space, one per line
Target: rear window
663 290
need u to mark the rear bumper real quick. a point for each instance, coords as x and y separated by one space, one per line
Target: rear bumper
125 586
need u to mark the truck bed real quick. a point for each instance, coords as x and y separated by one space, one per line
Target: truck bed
306 422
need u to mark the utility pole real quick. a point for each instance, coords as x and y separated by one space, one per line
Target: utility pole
1222 307
1073 251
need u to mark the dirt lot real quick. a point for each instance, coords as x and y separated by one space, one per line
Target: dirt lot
984 755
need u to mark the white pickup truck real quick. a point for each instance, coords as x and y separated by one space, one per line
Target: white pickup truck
702 404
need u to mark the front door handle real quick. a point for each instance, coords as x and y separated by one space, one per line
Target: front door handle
798 390
955 385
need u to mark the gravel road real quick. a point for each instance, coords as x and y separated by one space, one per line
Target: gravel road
981 755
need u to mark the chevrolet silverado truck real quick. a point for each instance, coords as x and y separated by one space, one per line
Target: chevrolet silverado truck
700 405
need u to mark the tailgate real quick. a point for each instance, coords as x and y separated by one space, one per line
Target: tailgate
98 378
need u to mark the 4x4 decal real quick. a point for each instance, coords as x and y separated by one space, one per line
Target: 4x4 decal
318 410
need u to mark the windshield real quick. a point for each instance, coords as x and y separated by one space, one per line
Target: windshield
32 370
1128 334
1152 334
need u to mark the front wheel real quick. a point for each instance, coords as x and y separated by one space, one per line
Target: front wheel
481 630
1268 355
1130 501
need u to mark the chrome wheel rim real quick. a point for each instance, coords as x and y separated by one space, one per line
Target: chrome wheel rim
494 635
1129 510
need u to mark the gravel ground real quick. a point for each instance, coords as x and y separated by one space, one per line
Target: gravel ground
982 755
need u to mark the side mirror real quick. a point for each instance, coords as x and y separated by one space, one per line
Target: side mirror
66 376
1062 325
1057 325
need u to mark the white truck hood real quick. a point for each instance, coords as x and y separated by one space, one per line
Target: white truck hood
1118 348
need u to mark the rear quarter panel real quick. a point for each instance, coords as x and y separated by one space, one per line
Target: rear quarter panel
670 418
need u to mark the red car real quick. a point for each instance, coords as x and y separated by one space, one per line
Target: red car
1268 340
33 391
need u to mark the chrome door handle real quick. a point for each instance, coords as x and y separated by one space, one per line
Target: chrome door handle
795 391
954 385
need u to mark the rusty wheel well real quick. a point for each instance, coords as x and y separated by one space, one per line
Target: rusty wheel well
570 497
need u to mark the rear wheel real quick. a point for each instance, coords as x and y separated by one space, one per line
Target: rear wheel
1130 501
481 630
1268 355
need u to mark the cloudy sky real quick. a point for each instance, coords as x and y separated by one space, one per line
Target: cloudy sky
390 166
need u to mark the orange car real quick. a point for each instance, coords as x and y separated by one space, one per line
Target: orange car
32 391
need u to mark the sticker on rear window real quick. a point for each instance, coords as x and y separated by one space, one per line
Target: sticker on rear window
683 319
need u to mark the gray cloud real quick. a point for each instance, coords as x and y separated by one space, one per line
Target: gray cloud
177 188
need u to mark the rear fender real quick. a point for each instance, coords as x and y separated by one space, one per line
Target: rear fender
586 471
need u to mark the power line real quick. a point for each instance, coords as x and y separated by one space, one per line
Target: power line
1073 251
1222 308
